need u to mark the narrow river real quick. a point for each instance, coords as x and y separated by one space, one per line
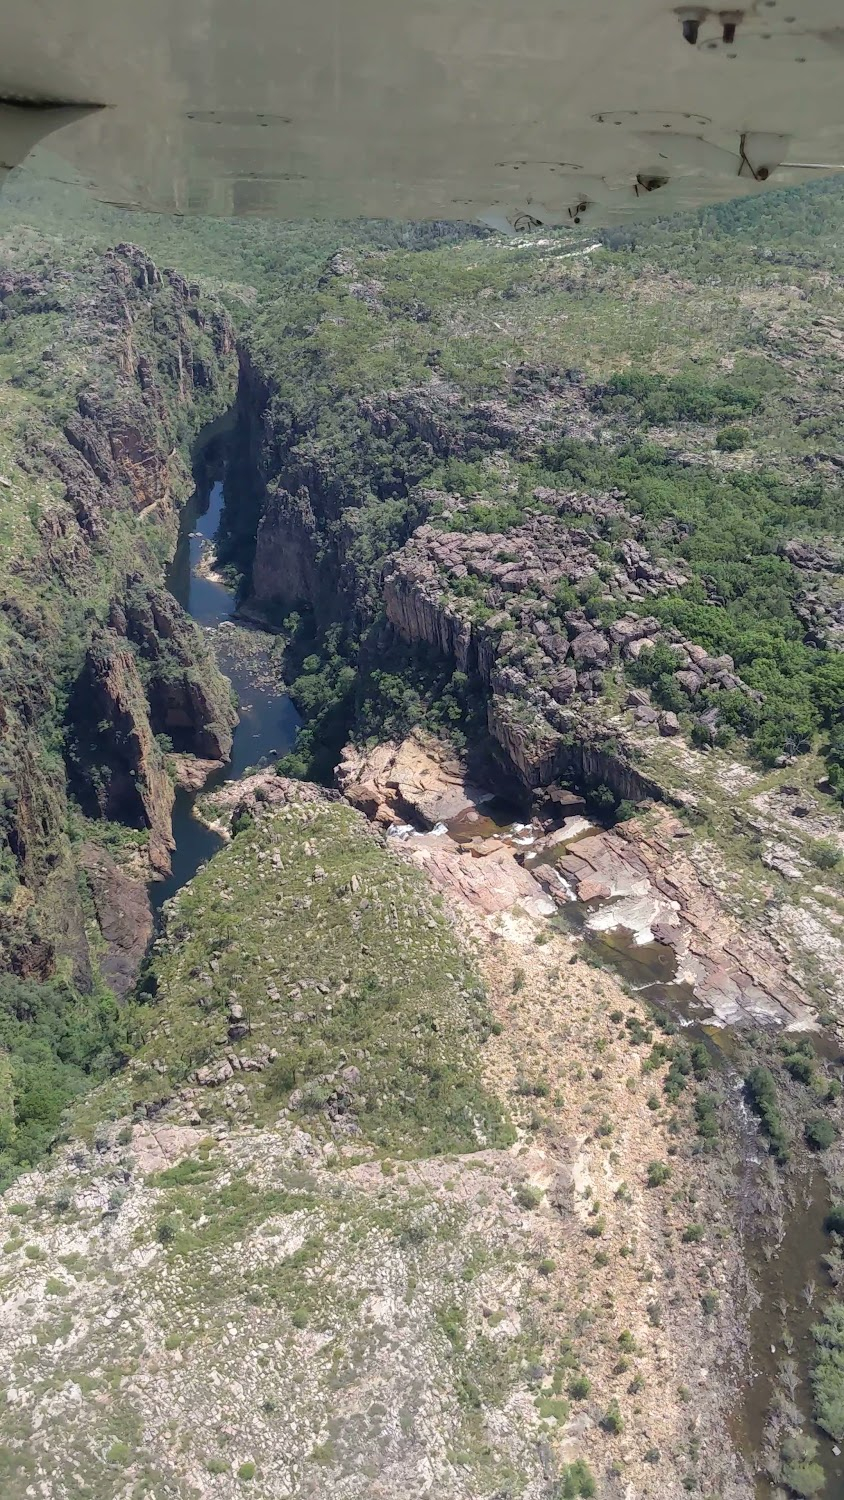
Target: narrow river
268 719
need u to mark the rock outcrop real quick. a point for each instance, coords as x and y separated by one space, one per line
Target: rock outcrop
417 779
536 667
647 885
123 914
189 699
491 884
256 795
287 568
99 469
118 761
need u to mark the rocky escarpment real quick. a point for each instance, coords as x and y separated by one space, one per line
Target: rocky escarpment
188 699
489 601
572 569
120 763
122 914
290 567
313 491
96 659
148 677
312 549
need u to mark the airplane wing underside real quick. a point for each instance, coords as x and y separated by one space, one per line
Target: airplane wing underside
515 113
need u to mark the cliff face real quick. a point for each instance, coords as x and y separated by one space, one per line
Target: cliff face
188 700
290 567
341 480
307 552
121 764
315 495
96 658
537 681
585 544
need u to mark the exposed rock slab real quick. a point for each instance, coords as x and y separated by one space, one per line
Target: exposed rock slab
157 1147
492 884
415 779
190 772
656 894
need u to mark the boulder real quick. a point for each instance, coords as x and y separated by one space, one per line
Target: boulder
555 646
364 796
812 558
668 723
569 802
633 628
689 681
563 685
633 650
590 649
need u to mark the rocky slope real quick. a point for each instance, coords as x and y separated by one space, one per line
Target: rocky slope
114 364
337 1227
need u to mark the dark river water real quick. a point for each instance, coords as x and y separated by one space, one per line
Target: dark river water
268 720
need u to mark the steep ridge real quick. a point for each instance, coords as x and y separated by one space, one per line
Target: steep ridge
114 365
349 1254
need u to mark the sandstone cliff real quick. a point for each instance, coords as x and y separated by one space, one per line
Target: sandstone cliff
95 656
189 701
119 762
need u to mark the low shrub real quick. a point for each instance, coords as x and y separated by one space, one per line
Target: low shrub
612 1420
692 1234
824 854
730 439
762 1096
820 1132
527 1196
658 1173
580 1387
828 1371
575 1480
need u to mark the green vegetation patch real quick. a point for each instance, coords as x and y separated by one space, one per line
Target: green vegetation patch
828 1370
54 1044
345 966
762 1094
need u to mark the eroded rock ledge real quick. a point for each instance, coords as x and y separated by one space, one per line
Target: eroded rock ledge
651 888
486 600
102 471
636 876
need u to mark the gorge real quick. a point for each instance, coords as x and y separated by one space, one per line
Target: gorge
400 1172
